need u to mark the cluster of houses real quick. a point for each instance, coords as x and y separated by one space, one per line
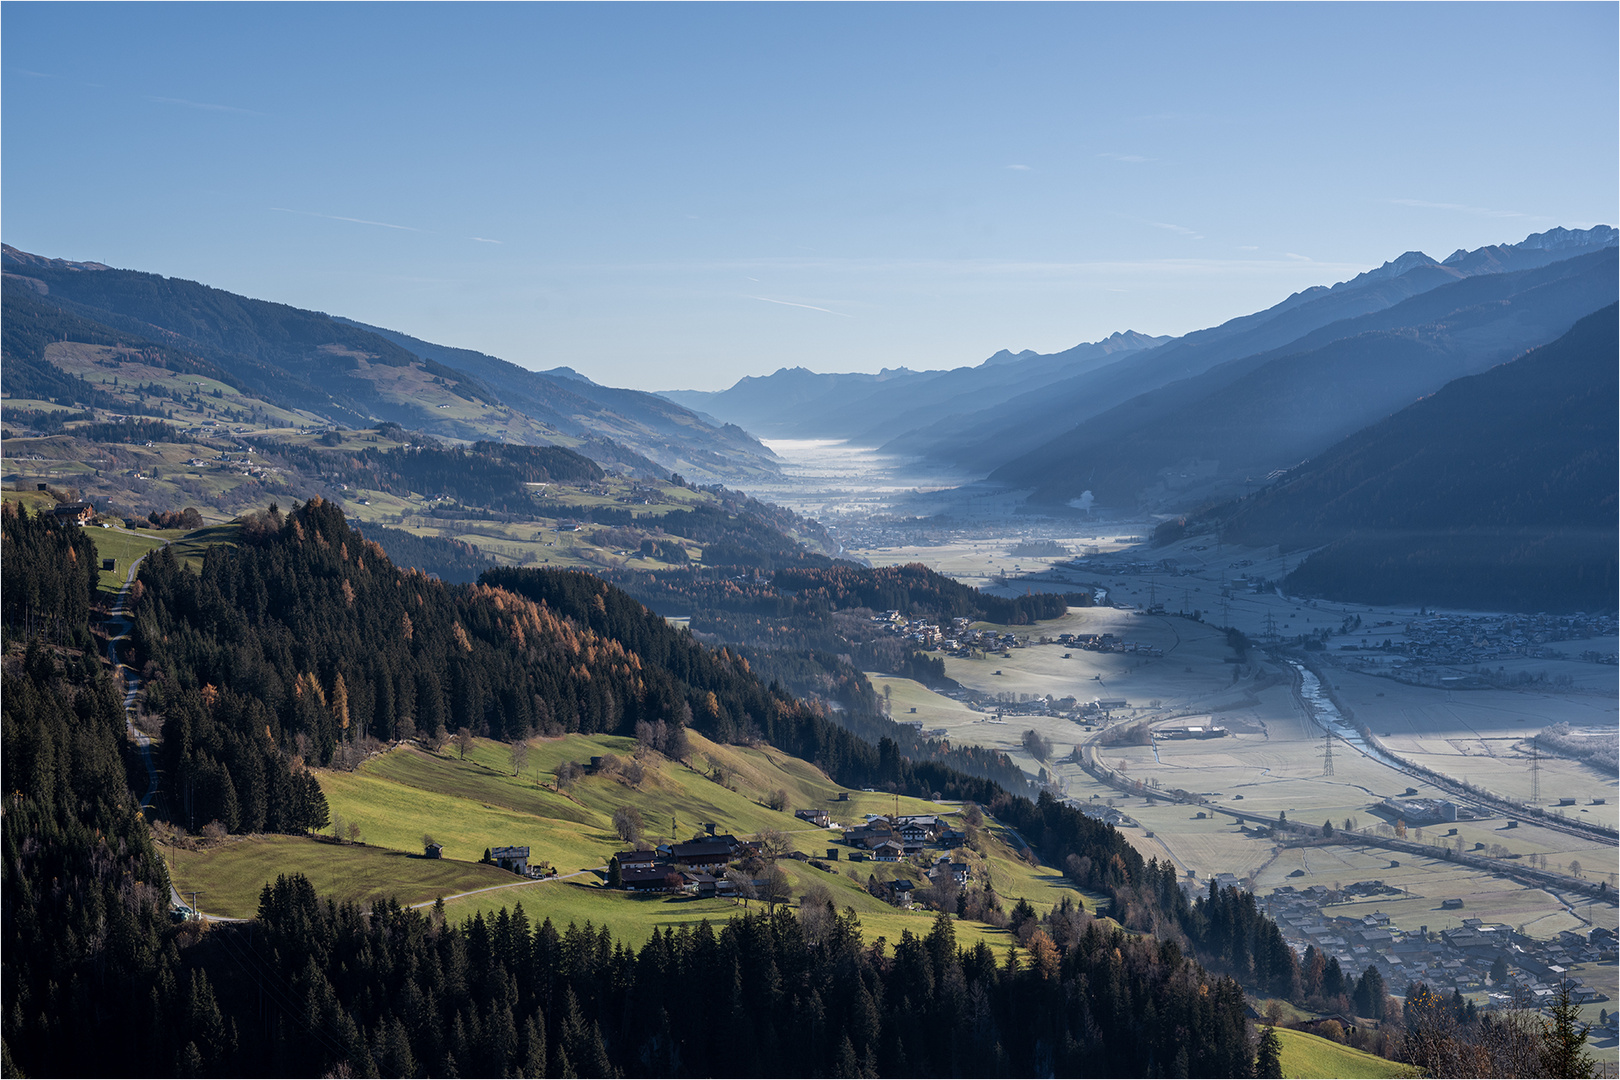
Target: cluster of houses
1458 958
896 837
1108 643
697 866
957 637
1421 649
900 891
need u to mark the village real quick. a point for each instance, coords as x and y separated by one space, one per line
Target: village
1527 970
716 864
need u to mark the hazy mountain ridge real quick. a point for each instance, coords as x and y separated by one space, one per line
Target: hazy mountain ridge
798 403
1250 416
1499 490
355 376
665 431
988 438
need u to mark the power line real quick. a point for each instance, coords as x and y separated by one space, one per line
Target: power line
1535 771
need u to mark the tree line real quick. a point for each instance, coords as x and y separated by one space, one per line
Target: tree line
400 992
486 474
49 577
915 590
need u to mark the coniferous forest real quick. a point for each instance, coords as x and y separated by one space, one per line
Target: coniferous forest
305 637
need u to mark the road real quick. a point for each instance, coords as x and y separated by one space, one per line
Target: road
118 627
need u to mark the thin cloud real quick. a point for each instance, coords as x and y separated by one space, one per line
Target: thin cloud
1179 229
1021 168
1299 258
1478 211
354 220
203 105
807 307
1134 159
1248 247
481 239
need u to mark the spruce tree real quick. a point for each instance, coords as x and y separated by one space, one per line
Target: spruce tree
1268 1062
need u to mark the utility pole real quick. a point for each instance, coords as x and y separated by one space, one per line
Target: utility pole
1535 772
1327 750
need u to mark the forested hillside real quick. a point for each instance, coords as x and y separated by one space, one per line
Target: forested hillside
1497 491
248 662
306 636
92 979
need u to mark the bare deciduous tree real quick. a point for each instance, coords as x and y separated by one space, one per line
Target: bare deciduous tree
628 823
774 887
742 885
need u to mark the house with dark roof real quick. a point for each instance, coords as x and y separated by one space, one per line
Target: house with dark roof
515 859
657 877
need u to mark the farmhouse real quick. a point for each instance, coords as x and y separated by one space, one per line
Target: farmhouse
73 513
653 877
515 859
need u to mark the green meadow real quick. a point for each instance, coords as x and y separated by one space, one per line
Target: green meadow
399 797
1309 1056
229 877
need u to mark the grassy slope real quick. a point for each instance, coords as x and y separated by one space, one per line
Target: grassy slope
230 876
469 805
1310 1056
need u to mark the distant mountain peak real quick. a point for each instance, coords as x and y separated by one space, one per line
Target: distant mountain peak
568 373
1408 262
1007 356
1554 239
1118 341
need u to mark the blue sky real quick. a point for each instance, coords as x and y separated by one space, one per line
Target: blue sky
679 195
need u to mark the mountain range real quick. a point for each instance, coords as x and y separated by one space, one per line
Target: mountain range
1150 423
798 403
1237 421
352 375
